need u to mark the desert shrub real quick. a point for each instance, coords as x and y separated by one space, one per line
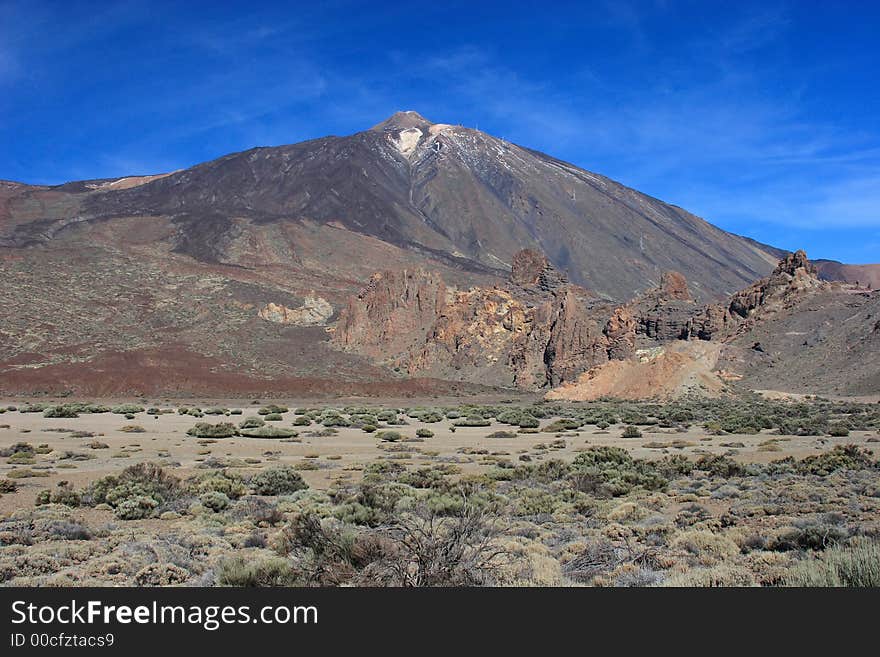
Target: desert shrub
424 433
431 417
143 480
216 410
561 425
273 409
26 473
368 428
720 466
22 458
721 575
132 428
855 565
841 457
529 422
611 471
161 574
273 417
424 549
33 408
511 416
809 536
676 465
67 530
60 412
136 508
631 431
207 430
301 421
215 501
62 494
7 486
389 436
17 448
501 434
378 471
277 481
423 478
473 421
706 544
127 409
256 510
262 572
268 432
838 430
251 423
218 481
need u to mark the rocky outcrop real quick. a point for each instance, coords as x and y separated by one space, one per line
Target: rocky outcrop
793 277
315 311
537 330
391 313
577 341
532 269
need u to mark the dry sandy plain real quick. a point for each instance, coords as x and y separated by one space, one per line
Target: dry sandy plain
325 460
682 522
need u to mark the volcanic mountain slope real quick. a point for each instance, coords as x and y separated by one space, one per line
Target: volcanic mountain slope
446 192
230 276
866 275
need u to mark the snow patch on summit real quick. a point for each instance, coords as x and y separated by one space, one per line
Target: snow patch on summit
407 140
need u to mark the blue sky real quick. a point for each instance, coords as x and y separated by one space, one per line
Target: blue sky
762 117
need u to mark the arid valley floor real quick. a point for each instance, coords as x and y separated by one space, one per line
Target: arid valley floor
735 491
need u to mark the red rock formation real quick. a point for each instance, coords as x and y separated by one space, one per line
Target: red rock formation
390 313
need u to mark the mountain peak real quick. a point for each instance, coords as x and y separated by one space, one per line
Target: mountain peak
403 120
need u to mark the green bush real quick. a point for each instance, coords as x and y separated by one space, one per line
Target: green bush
62 494
206 430
127 409
424 433
60 412
215 501
273 417
389 436
273 409
251 423
611 471
720 466
222 481
841 457
140 480
283 480
268 432
473 421
562 425
631 431
136 508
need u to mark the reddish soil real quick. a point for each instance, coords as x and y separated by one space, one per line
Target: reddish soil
178 371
